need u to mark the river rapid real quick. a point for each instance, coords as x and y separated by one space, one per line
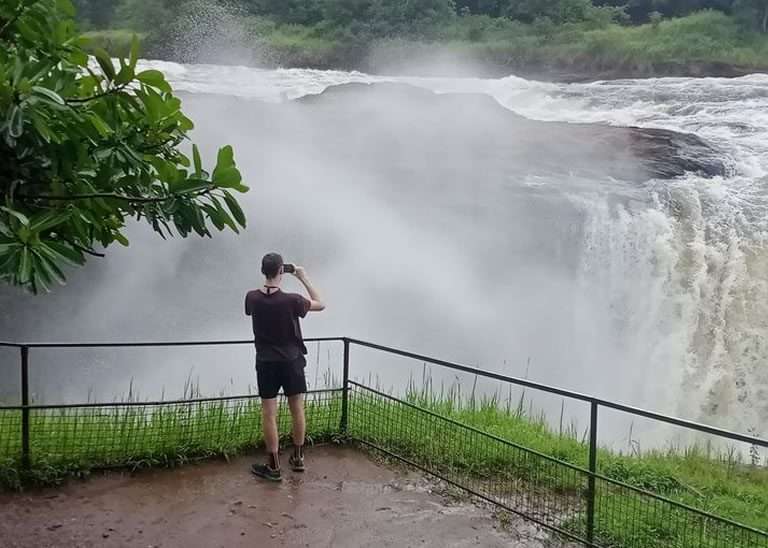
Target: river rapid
655 294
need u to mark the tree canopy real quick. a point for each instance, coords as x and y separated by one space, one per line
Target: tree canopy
88 144
393 17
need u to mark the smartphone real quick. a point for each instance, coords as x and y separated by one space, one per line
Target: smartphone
289 268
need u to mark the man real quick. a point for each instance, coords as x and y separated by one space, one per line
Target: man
280 358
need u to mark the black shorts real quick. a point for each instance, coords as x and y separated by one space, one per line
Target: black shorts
272 376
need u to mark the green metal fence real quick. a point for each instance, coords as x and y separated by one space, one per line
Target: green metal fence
90 436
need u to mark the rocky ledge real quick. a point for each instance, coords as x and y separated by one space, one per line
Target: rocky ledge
454 122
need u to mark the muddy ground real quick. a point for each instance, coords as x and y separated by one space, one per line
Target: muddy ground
345 499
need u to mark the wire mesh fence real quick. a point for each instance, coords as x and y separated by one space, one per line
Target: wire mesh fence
648 520
82 437
547 490
556 478
516 478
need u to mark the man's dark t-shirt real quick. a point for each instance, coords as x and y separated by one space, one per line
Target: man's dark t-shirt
276 328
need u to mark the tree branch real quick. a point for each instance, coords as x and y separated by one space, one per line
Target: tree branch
150 148
85 250
80 100
19 11
113 196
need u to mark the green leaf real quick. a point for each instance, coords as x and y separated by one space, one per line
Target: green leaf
153 104
198 161
25 86
49 258
17 214
26 31
10 247
5 229
105 62
41 126
49 220
66 7
227 178
41 275
134 56
191 185
223 217
80 58
9 261
49 93
234 207
121 239
16 122
125 75
83 41
24 271
226 157
80 228
155 79
18 71
67 253
185 124
166 171
215 217
38 283
101 126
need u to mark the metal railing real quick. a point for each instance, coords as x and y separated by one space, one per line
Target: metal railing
735 534
593 497
24 348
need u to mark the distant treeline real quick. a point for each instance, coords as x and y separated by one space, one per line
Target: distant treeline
551 39
396 18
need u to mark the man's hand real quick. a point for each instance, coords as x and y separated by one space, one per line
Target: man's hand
316 304
300 273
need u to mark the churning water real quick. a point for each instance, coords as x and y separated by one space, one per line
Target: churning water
655 293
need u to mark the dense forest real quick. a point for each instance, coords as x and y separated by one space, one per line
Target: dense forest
387 18
634 34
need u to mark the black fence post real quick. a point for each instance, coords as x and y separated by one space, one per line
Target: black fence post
25 461
344 426
592 472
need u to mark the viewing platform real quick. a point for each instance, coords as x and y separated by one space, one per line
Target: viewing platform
345 499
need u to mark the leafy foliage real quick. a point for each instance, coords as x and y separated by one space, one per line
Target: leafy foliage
753 14
348 25
86 146
97 13
388 18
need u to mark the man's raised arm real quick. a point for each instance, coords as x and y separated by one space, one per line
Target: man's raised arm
316 303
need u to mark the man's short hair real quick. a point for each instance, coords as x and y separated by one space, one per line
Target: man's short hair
271 265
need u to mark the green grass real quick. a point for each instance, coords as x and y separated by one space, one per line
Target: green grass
721 483
74 441
699 476
116 41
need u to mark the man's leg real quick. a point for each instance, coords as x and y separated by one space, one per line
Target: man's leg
296 405
269 424
295 388
269 385
270 470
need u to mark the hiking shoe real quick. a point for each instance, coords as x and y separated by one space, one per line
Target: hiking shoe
297 463
264 471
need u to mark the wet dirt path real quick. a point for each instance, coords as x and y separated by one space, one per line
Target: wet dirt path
344 499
